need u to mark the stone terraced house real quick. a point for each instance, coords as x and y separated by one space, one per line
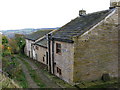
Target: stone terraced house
41 50
31 39
86 48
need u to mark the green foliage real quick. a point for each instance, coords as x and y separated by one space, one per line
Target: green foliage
13 44
14 70
99 84
22 80
6 52
5 46
4 40
34 75
10 64
20 42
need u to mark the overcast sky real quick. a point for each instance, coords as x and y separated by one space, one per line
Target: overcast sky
18 14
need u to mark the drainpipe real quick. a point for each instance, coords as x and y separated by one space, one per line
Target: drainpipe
31 51
53 55
49 52
32 47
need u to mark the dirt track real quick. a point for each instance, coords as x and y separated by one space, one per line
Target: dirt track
48 82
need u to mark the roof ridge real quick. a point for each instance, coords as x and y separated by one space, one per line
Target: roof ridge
38 34
109 11
41 39
81 24
100 11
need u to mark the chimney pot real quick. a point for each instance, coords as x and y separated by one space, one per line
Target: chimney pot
82 12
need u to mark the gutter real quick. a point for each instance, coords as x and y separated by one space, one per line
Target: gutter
49 52
63 40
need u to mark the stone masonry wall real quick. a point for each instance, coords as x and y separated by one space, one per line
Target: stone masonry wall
64 61
41 53
28 47
96 52
119 44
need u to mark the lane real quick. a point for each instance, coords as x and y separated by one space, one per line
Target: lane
44 78
31 83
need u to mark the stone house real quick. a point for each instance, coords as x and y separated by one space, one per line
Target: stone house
41 51
86 48
40 48
31 39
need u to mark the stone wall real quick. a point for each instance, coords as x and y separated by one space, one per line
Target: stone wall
34 53
41 54
64 61
28 48
119 44
96 52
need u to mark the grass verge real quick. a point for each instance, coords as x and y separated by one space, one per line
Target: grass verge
15 72
97 84
22 80
100 84
54 78
33 74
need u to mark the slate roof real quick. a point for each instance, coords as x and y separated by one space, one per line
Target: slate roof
79 25
36 35
42 42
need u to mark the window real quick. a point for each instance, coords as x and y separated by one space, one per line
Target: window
46 57
59 71
29 53
43 59
58 48
37 47
36 57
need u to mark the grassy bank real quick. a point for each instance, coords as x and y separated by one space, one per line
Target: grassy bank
6 82
34 75
14 70
113 83
43 68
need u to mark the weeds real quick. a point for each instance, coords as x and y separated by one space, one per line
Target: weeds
14 70
34 75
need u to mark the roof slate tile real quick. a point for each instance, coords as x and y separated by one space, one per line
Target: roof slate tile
80 25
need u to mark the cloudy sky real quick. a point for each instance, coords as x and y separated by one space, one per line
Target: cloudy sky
18 14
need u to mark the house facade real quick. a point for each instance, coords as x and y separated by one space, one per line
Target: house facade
28 47
84 49
87 47
31 39
41 51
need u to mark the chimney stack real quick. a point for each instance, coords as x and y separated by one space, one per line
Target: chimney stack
114 3
82 12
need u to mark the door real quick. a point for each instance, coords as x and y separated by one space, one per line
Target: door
46 57
29 53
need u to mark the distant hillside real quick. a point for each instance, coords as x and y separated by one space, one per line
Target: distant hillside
11 33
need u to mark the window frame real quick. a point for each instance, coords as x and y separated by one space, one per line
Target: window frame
59 71
37 48
58 48
43 59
